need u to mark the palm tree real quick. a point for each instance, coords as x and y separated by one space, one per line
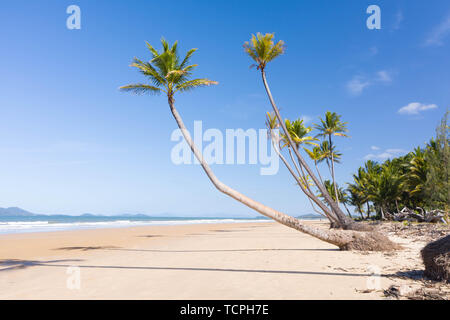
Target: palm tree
317 156
302 180
331 126
360 190
356 198
329 154
169 74
299 133
417 172
262 49
342 195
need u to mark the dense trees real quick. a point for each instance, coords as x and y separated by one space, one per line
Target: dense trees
419 179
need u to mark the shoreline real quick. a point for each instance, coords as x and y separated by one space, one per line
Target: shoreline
41 225
201 261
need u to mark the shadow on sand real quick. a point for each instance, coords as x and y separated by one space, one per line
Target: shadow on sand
14 264
188 251
20 264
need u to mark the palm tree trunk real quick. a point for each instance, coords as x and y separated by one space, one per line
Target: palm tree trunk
360 212
343 220
344 239
328 213
332 169
368 209
348 211
318 172
382 213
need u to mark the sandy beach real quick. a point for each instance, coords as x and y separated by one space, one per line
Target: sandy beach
204 261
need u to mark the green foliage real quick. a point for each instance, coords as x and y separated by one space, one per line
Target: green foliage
166 72
343 197
418 179
299 133
262 49
331 125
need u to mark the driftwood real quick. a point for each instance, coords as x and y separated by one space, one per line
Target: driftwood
406 214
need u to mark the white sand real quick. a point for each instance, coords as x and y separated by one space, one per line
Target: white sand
221 261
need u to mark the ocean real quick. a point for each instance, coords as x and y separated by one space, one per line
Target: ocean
46 223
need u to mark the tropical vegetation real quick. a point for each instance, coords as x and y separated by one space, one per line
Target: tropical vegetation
416 180
167 73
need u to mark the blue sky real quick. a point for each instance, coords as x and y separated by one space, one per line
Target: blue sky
72 143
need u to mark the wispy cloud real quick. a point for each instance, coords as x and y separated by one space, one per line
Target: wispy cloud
356 85
416 108
359 83
375 148
306 119
439 33
386 154
384 76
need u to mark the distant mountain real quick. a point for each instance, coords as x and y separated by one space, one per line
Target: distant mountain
15 212
18 212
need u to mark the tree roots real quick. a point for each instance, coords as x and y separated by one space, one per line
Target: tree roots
436 258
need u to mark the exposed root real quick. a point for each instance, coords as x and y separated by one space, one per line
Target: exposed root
436 258
370 241
359 226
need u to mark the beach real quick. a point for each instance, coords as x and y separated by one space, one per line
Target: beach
202 261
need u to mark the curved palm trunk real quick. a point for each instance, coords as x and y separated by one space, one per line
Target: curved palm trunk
344 221
344 239
318 172
348 211
326 212
332 169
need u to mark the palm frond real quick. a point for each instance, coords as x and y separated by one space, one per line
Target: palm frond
140 88
192 84
187 57
262 49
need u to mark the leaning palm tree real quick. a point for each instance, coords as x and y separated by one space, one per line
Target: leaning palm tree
299 133
169 74
262 49
331 126
317 156
342 195
302 180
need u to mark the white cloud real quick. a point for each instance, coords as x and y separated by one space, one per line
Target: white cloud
384 76
306 119
375 148
437 35
395 150
388 153
357 85
416 108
